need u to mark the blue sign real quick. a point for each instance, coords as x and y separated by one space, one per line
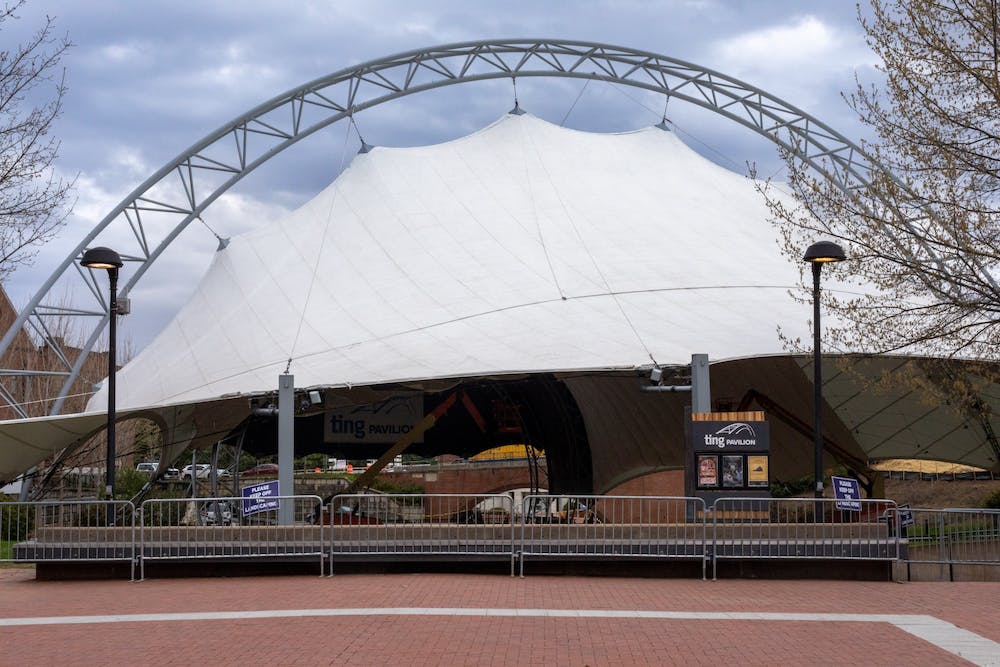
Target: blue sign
260 498
906 516
847 493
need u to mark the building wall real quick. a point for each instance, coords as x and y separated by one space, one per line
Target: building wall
36 394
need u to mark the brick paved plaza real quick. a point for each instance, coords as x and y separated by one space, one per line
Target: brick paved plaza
435 619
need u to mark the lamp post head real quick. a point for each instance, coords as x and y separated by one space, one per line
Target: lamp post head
101 258
823 252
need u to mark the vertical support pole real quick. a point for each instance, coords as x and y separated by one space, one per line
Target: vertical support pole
194 486
817 396
286 447
701 401
817 387
701 390
213 479
112 367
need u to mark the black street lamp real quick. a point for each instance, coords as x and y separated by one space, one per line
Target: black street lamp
819 254
106 258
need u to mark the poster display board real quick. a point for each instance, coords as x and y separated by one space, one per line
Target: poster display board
708 470
729 457
757 473
732 472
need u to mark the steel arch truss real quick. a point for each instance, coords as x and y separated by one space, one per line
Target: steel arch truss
157 211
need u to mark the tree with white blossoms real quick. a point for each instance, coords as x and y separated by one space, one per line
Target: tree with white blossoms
922 236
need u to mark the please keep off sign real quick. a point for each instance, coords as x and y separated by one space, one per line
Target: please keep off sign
260 498
847 493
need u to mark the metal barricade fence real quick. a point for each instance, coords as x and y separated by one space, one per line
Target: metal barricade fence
612 527
229 528
801 528
408 526
950 537
68 530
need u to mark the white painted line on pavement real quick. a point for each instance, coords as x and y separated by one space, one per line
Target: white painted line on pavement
972 647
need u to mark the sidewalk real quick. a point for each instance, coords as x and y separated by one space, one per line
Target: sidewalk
433 619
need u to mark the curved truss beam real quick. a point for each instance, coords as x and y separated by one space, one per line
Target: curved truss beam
157 211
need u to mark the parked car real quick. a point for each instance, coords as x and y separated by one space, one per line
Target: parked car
200 471
214 513
261 469
203 470
150 468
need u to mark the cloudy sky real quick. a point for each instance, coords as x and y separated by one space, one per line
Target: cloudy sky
148 79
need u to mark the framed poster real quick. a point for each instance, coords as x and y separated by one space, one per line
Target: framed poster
757 471
732 472
708 470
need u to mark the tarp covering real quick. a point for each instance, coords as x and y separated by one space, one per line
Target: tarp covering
524 247
530 248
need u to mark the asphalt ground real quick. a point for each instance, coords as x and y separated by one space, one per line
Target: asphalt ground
476 619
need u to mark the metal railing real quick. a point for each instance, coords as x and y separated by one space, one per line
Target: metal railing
797 528
229 529
68 530
969 475
950 537
633 527
407 526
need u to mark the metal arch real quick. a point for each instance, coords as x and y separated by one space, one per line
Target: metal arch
188 184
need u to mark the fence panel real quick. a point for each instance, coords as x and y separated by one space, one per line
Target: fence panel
68 530
950 537
409 526
229 528
800 528
612 527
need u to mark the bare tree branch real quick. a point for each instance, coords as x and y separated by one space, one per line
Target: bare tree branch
924 241
34 202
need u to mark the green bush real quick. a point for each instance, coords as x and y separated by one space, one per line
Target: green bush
16 521
790 489
128 483
993 500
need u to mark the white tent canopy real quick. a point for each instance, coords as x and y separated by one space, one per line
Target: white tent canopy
522 247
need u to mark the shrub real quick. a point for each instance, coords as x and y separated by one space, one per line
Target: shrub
16 521
993 500
792 488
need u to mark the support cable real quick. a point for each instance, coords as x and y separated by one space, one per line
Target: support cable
222 242
322 243
472 316
590 256
538 224
573 106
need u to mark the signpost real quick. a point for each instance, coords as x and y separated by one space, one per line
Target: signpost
906 516
847 492
260 498
728 454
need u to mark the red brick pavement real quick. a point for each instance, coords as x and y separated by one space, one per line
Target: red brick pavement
481 640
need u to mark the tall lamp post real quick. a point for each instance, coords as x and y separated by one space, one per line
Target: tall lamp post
818 254
106 258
